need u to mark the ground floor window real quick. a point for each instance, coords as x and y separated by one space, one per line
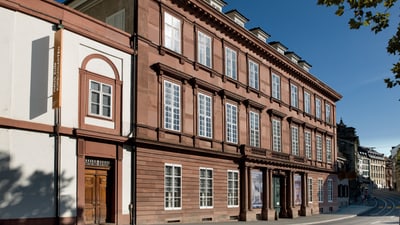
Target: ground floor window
310 190
320 190
233 188
173 186
330 190
206 188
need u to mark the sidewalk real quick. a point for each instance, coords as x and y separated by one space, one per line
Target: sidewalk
342 213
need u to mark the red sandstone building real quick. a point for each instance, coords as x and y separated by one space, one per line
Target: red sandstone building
225 126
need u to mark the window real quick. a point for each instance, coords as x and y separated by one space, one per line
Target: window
295 140
172 106
276 135
276 86
253 75
230 63
173 186
328 113
233 188
204 55
231 123
330 190
319 148
318 108
205 115
328 150
320 190
310 190
307 102
254 129
100 99
307 144
294 101
117 19
206 188
172 32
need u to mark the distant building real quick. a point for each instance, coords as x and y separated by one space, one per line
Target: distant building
343 184
377 168
389 172
395 155
348 143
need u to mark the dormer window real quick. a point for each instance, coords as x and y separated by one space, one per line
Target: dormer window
216 4
304 65
293 57
260 34
237 17
279 47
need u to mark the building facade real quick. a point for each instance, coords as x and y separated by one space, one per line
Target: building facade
200 119
247 130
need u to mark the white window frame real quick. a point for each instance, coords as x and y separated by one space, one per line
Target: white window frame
205 121
318 145
231 63
233 188
254 69
254 129
318 112
328 148
307 102
308 144
295 140
172 106
294 100
172 33
310 189
101 93
205 192
276 135
276 86
204 49
329 184
231 123
320 190
328 118
171 203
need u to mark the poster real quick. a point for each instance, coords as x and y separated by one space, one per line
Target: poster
256 188
297 189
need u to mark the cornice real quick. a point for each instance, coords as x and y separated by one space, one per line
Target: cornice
225 25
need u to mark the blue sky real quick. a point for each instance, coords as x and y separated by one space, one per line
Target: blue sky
353 62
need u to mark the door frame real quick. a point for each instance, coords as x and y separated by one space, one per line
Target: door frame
105 151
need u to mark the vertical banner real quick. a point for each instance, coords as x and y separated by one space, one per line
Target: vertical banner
297 189
256 188
57 69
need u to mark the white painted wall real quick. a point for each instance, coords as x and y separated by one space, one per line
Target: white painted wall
26 157
126 177
27 175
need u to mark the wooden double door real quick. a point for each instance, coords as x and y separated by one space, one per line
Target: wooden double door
96 195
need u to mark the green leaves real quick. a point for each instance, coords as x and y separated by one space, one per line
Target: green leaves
374 14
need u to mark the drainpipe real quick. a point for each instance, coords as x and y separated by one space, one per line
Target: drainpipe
134 46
